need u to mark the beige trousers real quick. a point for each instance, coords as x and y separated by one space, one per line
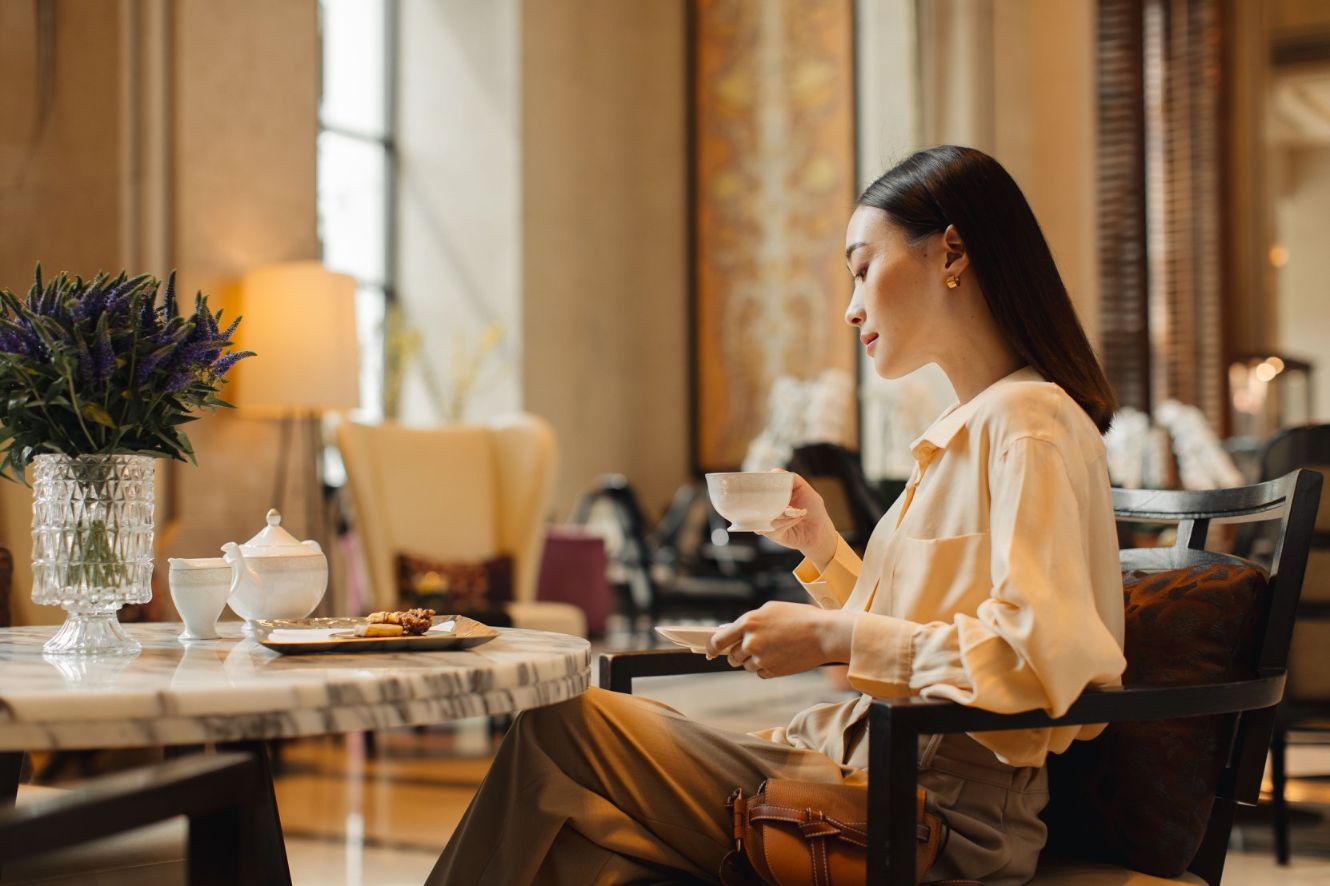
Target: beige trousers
610 788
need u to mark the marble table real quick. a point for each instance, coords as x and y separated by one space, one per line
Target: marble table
236 693
233 689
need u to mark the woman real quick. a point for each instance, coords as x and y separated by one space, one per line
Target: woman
993 581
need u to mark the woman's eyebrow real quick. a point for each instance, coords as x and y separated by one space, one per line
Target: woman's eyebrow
849 250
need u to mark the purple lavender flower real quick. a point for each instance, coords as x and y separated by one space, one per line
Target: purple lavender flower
86 370
189 353
169 304
12 343
103 357
179 379
75 332
230 330
147 316
223 366
150 361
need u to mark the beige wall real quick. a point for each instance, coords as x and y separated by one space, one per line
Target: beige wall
231 130
1044 121
60 190
604 275
244 126
1301 204
1016 78
59 178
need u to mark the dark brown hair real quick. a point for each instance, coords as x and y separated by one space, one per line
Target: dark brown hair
951 185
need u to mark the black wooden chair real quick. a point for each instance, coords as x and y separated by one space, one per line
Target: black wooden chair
896 724
1306 706
216 793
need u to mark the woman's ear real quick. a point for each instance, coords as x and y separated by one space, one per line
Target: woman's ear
955 259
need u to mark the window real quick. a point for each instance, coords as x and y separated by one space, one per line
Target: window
357 168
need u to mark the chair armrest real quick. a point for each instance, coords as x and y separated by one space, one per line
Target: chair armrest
931 716
216 792
619 669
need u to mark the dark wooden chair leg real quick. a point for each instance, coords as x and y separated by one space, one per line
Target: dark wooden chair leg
11 768
371 745
272 848
1279 805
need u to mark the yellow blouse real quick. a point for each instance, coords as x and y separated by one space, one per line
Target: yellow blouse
993 580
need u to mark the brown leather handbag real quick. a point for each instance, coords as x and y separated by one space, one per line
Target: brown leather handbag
796 832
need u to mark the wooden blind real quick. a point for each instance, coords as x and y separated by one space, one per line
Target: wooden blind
1125 343
1161 201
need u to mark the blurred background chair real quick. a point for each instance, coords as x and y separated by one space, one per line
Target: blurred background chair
1305 711
457 493
665 570
837 474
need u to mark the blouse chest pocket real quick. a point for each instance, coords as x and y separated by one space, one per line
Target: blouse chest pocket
932 578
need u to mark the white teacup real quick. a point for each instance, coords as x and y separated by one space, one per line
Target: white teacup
199 588
750 500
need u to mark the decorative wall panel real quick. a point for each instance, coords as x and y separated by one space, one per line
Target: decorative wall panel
773 163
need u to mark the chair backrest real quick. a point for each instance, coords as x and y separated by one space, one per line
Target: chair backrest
837 474
1291 501
1308 447
460 492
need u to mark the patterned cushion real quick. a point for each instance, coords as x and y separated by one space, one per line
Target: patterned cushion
1140 794
478 589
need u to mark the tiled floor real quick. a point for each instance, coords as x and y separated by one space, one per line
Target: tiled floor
352 820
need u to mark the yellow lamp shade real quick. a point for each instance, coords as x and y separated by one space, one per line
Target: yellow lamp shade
300 319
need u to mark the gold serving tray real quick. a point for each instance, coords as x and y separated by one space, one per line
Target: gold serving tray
338 635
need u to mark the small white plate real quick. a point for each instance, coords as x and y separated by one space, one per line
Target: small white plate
694 637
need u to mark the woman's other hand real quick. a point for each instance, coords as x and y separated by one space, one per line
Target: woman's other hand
813 533
784 638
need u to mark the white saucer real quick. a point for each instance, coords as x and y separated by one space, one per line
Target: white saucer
694 637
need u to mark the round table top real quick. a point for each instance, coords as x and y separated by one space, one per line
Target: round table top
233 689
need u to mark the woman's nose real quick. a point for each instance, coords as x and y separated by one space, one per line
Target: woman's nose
854 314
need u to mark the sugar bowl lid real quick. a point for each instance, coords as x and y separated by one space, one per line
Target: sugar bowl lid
274 541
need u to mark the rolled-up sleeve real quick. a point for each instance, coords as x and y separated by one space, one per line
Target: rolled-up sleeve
831 586
1037 641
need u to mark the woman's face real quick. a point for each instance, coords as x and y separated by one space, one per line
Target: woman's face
896 298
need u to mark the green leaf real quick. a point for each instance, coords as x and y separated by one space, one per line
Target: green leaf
93 412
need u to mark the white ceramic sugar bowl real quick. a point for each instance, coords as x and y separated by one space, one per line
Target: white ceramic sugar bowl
275 575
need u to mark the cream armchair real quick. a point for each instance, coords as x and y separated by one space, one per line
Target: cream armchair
463 493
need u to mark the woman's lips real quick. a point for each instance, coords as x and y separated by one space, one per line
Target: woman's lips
869 341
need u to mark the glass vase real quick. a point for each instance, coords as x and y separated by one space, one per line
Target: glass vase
92 546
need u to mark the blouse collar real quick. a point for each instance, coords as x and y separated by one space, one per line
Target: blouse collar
956 416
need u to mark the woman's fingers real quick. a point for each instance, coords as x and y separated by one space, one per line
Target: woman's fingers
726 635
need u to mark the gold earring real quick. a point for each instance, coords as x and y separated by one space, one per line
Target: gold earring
953 281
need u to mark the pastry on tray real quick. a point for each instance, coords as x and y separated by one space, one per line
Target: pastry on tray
393 624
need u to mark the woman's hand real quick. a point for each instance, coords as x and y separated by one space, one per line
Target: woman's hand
784 638
813 534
